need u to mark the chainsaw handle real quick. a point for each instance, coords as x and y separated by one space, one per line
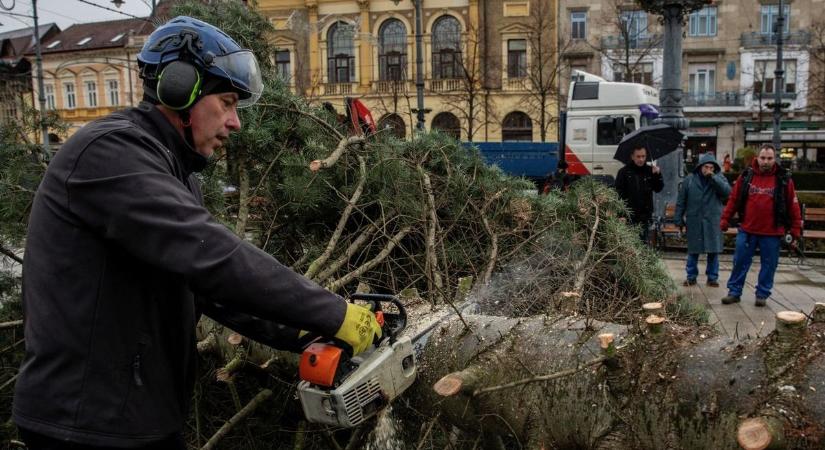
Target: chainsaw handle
394 323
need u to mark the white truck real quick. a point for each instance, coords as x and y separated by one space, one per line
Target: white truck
599 113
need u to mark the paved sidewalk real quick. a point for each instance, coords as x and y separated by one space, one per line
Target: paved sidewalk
796 288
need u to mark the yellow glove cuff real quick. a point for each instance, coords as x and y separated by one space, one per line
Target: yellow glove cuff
359 328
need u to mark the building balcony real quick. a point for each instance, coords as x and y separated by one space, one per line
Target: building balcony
515 85
770 96
390 87
637 43
341 89
798 38
445 85
730 98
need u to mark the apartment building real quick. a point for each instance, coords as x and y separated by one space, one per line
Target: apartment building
729 55
90 69
16 69
485 63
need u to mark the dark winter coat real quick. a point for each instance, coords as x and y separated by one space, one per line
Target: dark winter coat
699 207
119 248
636 186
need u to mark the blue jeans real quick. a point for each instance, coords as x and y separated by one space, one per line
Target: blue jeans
712 269
746 244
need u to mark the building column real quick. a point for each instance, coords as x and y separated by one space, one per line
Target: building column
315 77
365 48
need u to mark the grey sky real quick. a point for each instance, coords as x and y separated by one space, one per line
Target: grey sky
67 12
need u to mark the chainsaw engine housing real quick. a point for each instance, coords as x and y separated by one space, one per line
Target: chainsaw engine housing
381 376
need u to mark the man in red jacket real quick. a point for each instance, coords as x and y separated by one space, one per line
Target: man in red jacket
765 201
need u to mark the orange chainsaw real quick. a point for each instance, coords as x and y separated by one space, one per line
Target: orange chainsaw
341 390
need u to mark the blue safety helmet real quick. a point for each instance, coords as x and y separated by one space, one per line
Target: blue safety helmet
186 58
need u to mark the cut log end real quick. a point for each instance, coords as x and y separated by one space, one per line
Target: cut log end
605 340
448 385
653 307
315 165
654 323
790 317
756 433
235 339
818 314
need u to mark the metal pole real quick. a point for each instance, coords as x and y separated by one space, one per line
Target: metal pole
41 97
419 64
779 75
671 103
129 72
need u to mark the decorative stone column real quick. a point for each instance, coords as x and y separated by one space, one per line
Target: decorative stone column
674 13
365 48
315 77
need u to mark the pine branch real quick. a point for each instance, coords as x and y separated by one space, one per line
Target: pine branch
432 261
316 265
333 158
350 252
237 418
11 254
548 377
391 244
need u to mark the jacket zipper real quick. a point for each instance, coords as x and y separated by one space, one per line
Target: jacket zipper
136 370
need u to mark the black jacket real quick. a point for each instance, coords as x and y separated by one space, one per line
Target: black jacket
636 186
119 247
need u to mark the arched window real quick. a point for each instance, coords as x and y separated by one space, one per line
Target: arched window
447 48
340 53
517 126
395 124
392 50
447 123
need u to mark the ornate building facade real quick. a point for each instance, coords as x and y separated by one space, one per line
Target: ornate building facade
488 66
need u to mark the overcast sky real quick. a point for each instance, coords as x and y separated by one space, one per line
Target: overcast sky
67 12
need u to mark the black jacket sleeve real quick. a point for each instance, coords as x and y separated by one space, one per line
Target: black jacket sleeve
125 186
657 182
266 332
621 184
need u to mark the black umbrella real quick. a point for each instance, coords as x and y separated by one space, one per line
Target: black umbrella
659 140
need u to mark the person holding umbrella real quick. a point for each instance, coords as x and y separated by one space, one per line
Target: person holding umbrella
637 181
699 206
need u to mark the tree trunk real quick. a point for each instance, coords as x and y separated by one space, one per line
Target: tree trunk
553 382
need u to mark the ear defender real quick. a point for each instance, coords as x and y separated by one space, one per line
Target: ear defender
179 85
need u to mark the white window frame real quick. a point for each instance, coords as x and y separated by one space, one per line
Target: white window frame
578 17
69 95
703 22
91 94
638 23
702 81
768 16
110 92
48 92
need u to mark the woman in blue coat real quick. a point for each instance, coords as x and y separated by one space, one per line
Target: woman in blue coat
699 207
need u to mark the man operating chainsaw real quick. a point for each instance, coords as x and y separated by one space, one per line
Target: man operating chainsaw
122 257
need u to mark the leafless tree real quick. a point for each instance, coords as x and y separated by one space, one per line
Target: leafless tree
816 77
545 68
631 48
465 96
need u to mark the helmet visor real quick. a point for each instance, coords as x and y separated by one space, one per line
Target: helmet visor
241 69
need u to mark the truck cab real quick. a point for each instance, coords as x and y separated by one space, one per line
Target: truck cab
599 114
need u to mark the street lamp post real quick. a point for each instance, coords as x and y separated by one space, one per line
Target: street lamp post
673 12
779 75
41 96
419 63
